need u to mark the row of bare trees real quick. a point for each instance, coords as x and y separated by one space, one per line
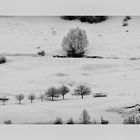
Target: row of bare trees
20 97
81 90
53 92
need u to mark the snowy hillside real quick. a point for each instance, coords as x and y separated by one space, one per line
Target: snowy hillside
116 74
108 38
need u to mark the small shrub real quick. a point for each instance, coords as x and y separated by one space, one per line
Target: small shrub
52 92
125 23
100 95
41 53
84 118
2 59
82 90
69 17
104 121
63 90
7 122
75 43
20 97
70 121
58 121
128 17
32 97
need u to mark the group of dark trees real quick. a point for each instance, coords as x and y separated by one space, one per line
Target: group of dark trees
2 59
81 90
53 92
83 119
88 19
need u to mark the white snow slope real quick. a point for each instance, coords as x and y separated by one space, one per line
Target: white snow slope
20 37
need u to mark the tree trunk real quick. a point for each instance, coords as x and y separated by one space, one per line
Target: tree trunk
82 96
63 97
19 101
52 98
31 101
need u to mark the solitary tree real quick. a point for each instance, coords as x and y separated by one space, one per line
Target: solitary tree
85 117
4 99
32 97
20 97
75 43
63 90
82 90
52 92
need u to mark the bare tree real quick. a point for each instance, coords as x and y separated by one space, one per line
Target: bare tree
85 118
63 90
4 99
41 97
32 97
75 43
52 92
82 90
20 97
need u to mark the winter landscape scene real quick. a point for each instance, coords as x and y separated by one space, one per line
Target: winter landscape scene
70 70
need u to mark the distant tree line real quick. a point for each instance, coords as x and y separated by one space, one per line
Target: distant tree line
88 19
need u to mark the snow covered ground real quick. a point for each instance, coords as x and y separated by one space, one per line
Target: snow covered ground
24 73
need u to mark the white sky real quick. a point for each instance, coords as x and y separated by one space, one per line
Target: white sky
59 7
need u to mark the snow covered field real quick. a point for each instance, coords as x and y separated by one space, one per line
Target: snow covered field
115 74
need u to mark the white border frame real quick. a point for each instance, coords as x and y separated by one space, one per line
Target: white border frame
69 7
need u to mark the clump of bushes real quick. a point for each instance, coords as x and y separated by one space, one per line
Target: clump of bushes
70 121
41 53
100 95
75 42
104 121
7 122
132 119
2 59
88 19
58 121
125 23
125 20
